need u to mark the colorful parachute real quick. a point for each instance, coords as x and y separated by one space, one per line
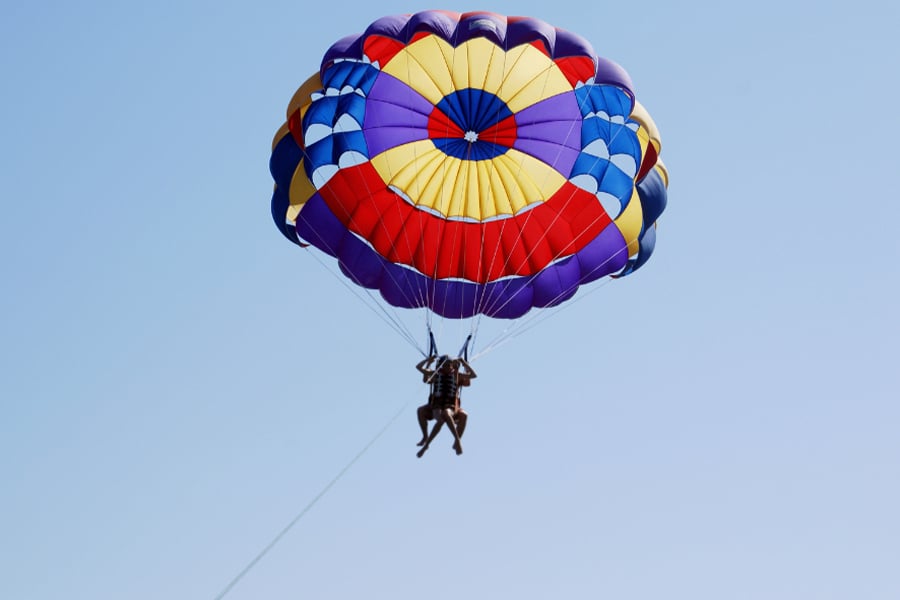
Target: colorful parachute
469 164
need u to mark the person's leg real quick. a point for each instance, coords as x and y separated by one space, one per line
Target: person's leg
447 416
439 422
422 414
461 418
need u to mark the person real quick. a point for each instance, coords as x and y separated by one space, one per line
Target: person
443 405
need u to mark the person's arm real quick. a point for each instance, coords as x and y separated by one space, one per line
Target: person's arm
467 377
422 367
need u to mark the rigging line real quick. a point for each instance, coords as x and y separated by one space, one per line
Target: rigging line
537 319
398 325
395 323
309 505
521 326
372 304
613 134
354 224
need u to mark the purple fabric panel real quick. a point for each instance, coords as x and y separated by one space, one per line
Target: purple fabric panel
391 114
390 26
404 287
561 43
347 47
551 131
561 108
384 138
390 90
481 24
605 254
317 225
560 158
571 44
387 122
360 263
525 31
455 299
507 299
437 22
609 72
556 283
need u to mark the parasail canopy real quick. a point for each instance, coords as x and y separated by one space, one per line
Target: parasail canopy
470 164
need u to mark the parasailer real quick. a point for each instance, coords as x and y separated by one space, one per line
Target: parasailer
446 381
469 165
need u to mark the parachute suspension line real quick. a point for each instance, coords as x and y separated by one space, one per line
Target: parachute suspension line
395 317
522 325
376 305
310 504
534 319
372 304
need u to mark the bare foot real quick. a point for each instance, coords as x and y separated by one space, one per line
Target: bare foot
458 448
421 452
422 441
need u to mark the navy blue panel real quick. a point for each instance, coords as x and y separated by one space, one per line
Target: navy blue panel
653 194
280 203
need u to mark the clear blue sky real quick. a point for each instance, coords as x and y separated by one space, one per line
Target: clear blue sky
177 381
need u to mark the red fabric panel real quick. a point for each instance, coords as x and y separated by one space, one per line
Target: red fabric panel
647 162
441 126
381 49
577 68
295 125
480 252
504 133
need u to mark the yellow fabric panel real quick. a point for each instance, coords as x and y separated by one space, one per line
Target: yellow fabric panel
630 222
417 168
422 65
525 180
663 171
520 77
493 199
472 189
644 140
301 98
649 132
530 76
301 190
479 67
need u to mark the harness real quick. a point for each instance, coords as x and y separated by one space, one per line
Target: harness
444 388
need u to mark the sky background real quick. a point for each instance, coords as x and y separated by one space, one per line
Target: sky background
177 381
